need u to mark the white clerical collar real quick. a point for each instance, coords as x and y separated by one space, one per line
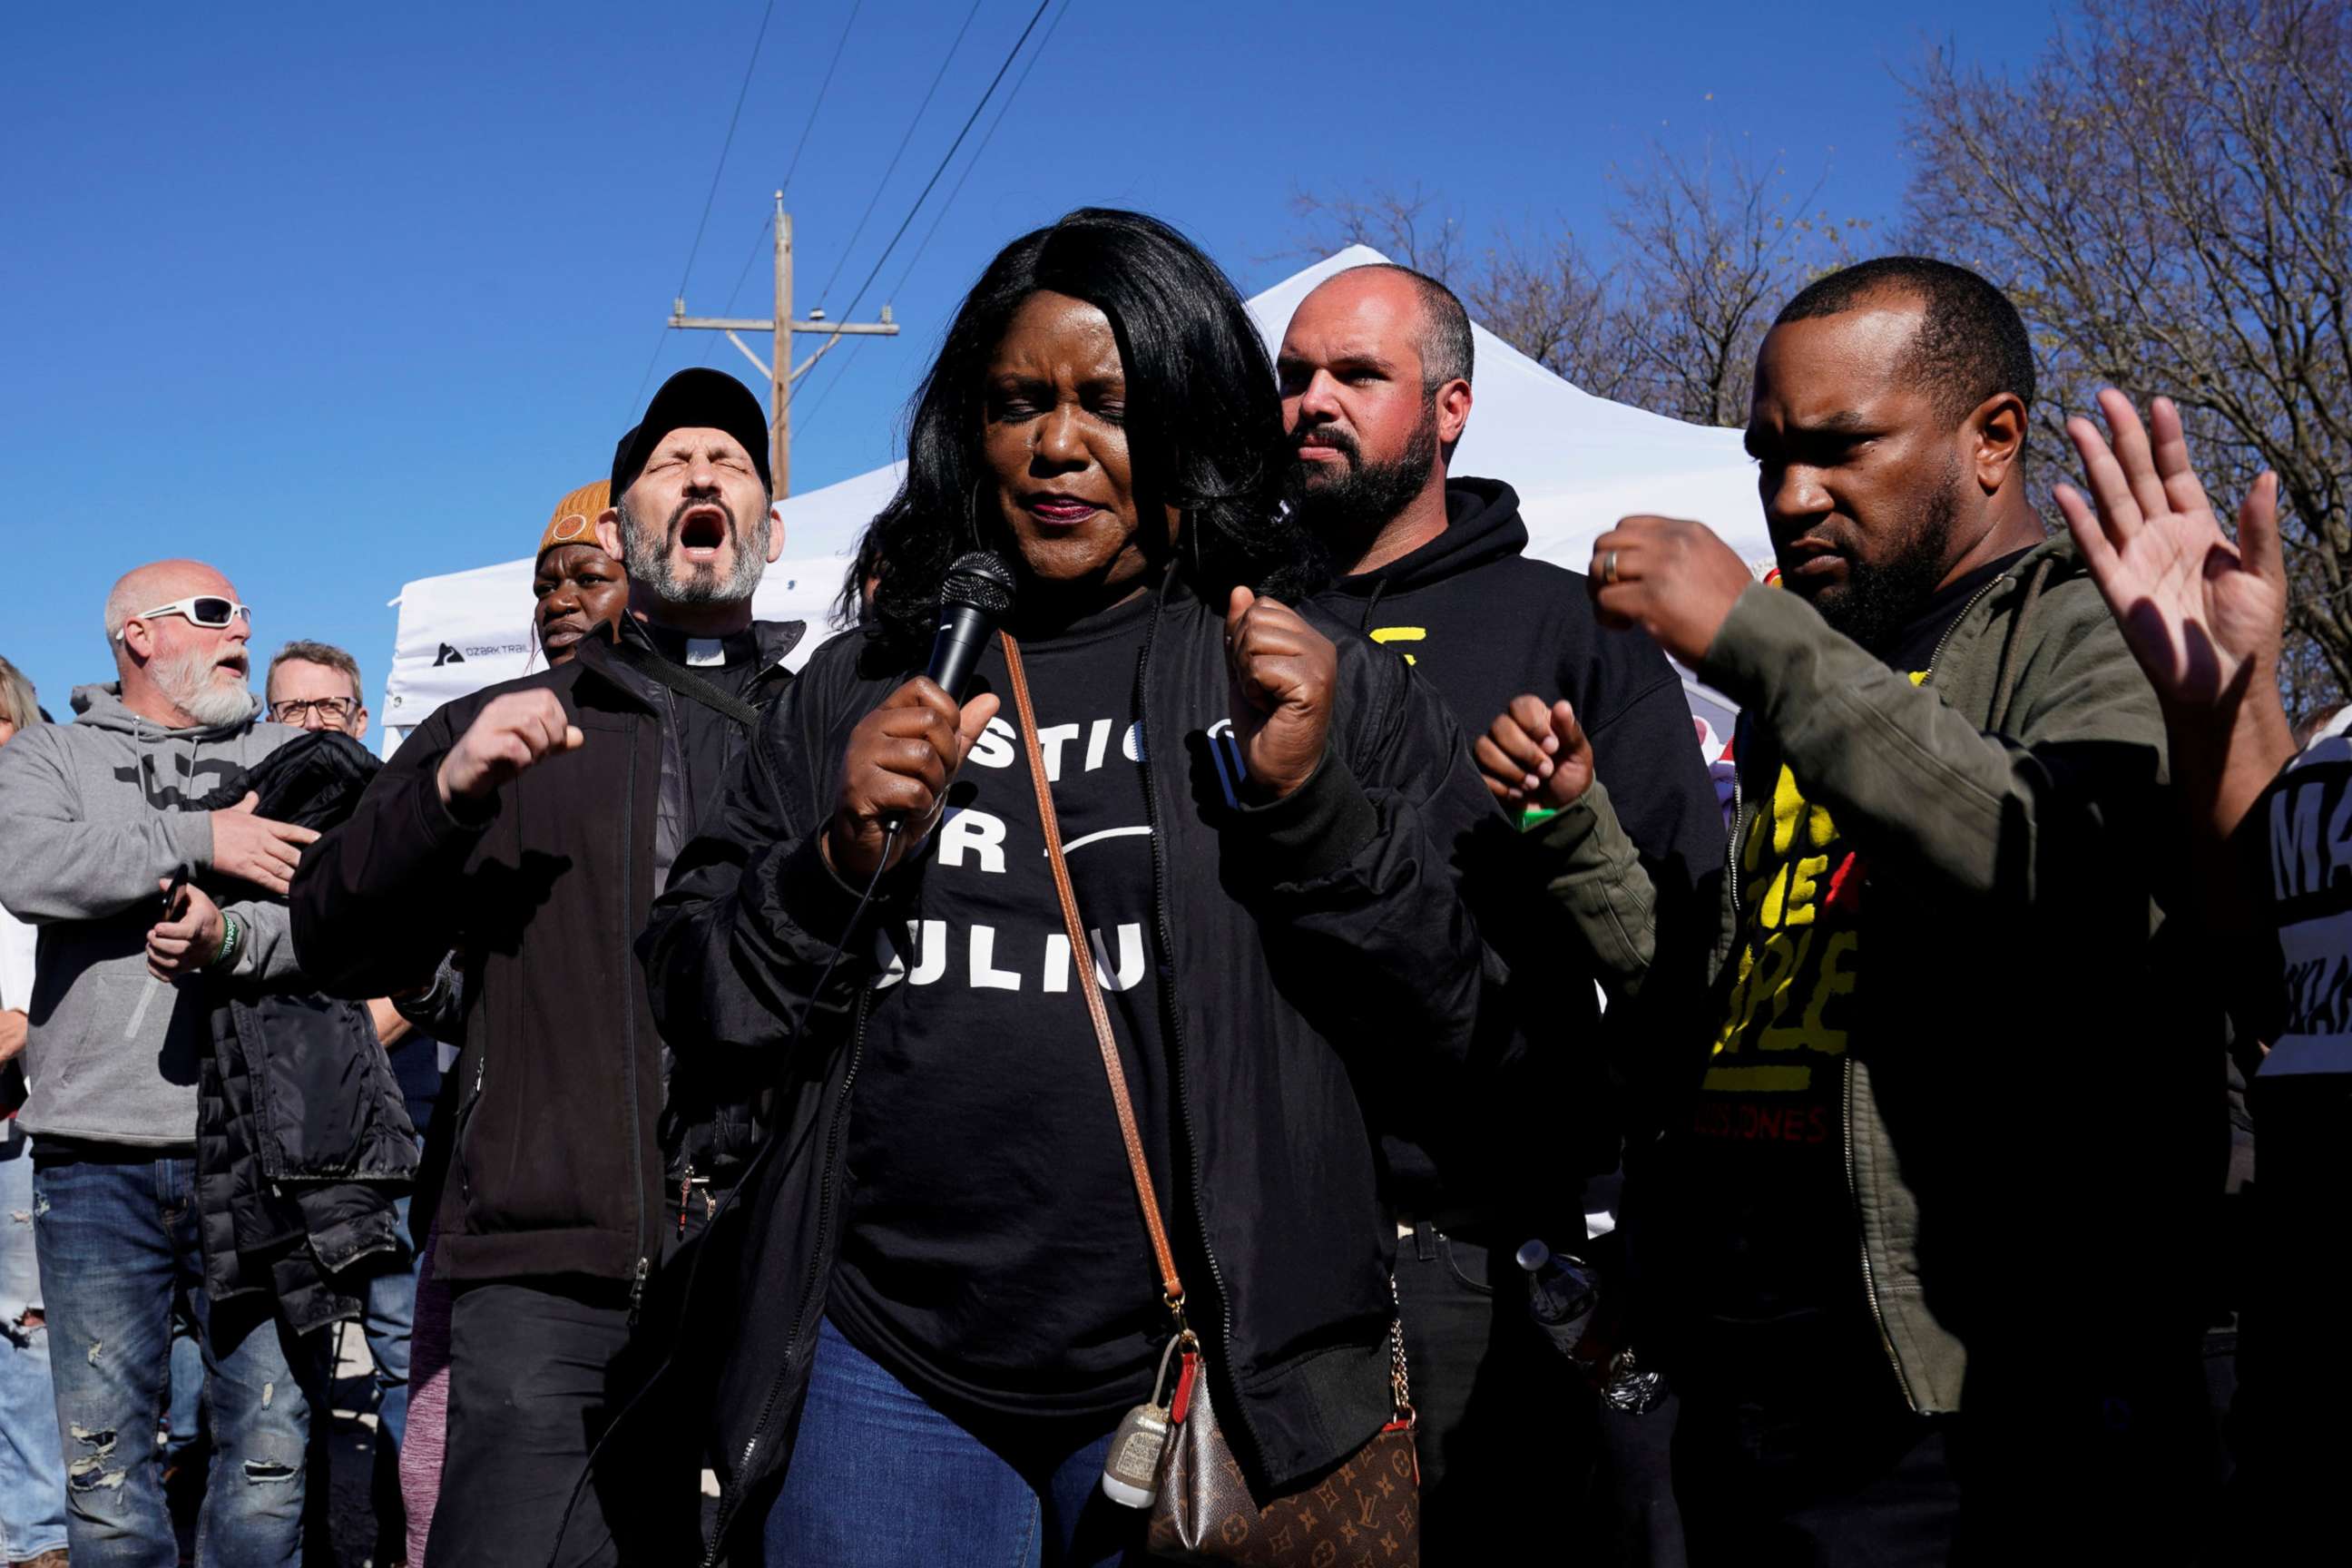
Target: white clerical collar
705 650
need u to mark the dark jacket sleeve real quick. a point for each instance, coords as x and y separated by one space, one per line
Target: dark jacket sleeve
1592 870
376 901
440 1011
1354 894
2062 802
738 945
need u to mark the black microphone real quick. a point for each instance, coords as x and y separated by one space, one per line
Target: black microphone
977 595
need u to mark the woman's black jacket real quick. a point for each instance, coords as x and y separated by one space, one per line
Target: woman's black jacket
1307 952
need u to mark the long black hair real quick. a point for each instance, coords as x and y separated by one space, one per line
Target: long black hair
1203 420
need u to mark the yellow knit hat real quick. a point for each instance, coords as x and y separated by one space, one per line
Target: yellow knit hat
574 521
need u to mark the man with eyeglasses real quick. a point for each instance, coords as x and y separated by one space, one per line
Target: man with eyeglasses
316 686
100 844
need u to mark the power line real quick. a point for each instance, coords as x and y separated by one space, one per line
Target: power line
957 189
969 120
758 239
881 185
793 167
849 358
638 401
940 217
759 243
724 147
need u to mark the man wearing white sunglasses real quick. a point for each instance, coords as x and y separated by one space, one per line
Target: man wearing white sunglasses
100 842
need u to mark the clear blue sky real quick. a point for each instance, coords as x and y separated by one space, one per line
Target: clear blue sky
336 297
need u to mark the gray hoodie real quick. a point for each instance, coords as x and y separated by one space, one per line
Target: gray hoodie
93 816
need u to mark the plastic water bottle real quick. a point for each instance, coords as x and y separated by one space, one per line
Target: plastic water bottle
1561 1294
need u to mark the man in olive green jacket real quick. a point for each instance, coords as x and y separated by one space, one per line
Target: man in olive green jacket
1945 1102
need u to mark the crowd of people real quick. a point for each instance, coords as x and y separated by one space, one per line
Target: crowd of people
1095 1114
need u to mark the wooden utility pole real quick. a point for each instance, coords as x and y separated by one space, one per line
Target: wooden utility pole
780 377
779 369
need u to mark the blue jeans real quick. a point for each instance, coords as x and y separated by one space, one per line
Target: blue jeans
32 1462
880 1479
387 1316
184 1412
118 1237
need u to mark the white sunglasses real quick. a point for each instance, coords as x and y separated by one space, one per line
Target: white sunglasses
210 611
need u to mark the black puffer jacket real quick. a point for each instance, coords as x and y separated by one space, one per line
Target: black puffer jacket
302 1139
1301 945
556 1159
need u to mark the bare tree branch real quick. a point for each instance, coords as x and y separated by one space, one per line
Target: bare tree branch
1407 227
1705 252
2168 196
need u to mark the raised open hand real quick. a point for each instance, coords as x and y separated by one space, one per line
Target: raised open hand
2203 617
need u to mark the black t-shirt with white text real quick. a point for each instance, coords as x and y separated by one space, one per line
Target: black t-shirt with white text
994 1256
2294 1361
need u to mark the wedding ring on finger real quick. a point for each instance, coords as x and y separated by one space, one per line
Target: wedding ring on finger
1609 568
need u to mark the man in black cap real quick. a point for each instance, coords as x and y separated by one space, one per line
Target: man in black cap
529 827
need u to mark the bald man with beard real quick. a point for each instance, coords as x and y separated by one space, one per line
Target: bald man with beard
96 821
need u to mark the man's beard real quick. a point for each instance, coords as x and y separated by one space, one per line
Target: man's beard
190 682
1364 496
648 558
1878 601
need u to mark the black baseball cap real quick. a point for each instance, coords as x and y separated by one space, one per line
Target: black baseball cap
699 398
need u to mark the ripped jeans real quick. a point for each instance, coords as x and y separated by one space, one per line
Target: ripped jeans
117 1229
32 1473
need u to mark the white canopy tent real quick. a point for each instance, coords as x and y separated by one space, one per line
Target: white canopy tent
1579 463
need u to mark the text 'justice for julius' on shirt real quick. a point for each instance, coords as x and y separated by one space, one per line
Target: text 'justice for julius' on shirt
993 1255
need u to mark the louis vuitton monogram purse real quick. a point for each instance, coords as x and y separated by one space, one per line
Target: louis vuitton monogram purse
1367 1510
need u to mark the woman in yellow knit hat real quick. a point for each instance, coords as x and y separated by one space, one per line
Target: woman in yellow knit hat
579 587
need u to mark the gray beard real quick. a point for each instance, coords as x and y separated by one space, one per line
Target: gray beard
187 683
646 553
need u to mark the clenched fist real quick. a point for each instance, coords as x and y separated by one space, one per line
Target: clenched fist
507 736
1676 580
1534 755
1281 673
901 760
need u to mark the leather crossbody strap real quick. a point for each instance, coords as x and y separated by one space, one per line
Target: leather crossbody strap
1082 956
684 683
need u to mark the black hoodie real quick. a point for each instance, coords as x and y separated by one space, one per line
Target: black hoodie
1482 622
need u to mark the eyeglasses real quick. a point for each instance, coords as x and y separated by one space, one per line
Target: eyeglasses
207 610
332 712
